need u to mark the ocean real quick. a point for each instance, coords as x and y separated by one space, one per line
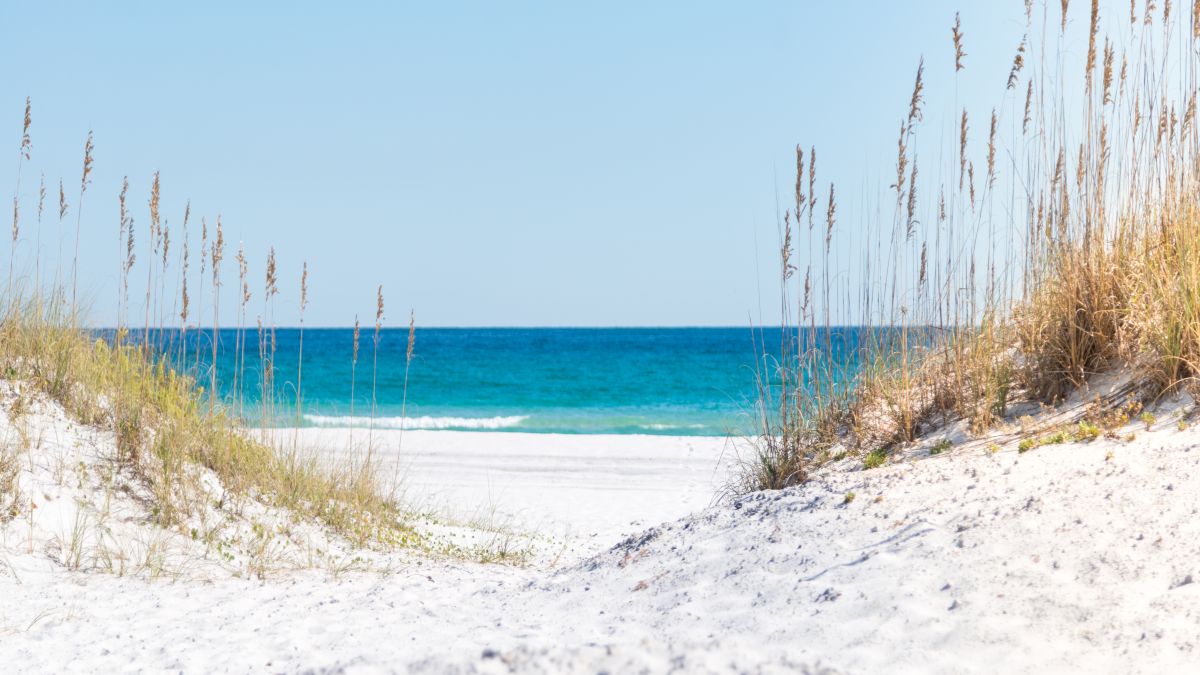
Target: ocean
673 381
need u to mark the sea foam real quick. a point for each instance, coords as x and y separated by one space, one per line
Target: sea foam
424 422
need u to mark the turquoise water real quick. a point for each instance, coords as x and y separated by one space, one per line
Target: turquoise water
678 381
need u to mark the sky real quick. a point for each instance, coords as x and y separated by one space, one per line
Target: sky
524 164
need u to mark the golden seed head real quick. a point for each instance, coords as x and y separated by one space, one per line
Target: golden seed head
957 34
991 155
26 141
41 196
412 335
378 310
910 226
1028 107
1018 64
272 287
830 217
87 163
304 289
355 357
918 95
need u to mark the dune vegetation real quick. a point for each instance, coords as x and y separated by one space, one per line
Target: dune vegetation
1088 168
146 382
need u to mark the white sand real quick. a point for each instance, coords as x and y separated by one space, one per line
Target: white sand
561 485
1067 558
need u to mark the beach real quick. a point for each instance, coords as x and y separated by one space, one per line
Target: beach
520 341
566 486
1078 556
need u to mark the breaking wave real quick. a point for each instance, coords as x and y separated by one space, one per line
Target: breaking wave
423 422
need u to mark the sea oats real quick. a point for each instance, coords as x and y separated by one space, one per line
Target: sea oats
957 36
1094 27
800 198
962 149
786 248
378 311
915 113
1028 108
924 260
911 222
154 203
272 287
991 151
830 217
88 148
812 184
412 336
971 182
26 140
1017 65
85 180
218 254
354 358
1108 72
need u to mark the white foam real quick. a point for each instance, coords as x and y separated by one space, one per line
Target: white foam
423 422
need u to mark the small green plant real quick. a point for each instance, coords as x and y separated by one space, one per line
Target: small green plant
1182 424
1083 432
1087 431
940 447
993 448
875 458
848 498
1148 419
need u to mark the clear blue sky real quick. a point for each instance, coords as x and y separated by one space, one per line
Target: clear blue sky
488 163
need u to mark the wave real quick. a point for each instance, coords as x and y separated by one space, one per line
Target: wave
424 422
669 427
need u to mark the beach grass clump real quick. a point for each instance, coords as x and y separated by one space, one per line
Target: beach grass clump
875 458
175 430
940 447
1094 178
166 429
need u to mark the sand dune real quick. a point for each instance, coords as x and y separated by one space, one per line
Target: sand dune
1072 557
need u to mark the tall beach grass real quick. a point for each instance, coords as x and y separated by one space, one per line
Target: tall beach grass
1093 174
156 386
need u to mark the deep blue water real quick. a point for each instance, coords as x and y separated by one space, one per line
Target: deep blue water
680 381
